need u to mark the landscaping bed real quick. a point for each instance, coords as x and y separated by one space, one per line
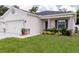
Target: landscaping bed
63 31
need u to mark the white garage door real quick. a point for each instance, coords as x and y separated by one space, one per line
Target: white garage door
14 27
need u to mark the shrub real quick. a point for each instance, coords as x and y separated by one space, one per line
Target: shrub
76 29
49 33
69 32
53 33
49 30
59 33
55 30
63 31
44 32
66 32
52 30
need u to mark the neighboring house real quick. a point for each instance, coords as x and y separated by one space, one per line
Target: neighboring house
15 19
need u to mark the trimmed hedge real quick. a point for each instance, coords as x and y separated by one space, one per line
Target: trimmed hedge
76 29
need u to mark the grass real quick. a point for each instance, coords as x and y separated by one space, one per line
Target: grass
41 44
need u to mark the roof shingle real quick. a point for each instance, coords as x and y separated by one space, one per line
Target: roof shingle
51 12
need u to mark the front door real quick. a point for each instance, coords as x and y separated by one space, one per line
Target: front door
46 25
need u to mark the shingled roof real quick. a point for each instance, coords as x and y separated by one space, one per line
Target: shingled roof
51 12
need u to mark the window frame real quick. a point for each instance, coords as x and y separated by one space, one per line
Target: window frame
59 22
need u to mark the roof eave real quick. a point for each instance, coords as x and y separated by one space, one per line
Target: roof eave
57 15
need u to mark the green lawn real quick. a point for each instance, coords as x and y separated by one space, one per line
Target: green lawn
41 43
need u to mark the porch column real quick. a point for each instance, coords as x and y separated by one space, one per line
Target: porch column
72 23
49 24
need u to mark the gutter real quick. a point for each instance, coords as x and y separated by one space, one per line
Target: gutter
57 15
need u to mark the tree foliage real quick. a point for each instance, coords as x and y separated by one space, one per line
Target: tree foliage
33 9
3 9
16 6
77 16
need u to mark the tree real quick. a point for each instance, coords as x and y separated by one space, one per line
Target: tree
16 6
3 9
33 9
77 16
59 7
62 8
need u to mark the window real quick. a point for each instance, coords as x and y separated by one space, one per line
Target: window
61 24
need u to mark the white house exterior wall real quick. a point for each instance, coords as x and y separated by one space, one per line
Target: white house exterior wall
1 26
34 24
52 23
12 21
17 15
71 23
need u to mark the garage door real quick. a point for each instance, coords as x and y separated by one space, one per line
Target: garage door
14 27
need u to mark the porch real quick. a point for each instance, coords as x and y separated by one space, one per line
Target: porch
59 23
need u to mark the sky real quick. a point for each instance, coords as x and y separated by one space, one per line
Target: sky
52 7
43 4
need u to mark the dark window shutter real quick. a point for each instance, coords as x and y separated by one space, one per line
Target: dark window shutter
56 23
66 23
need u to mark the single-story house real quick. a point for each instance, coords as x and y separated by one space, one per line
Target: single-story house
14 20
